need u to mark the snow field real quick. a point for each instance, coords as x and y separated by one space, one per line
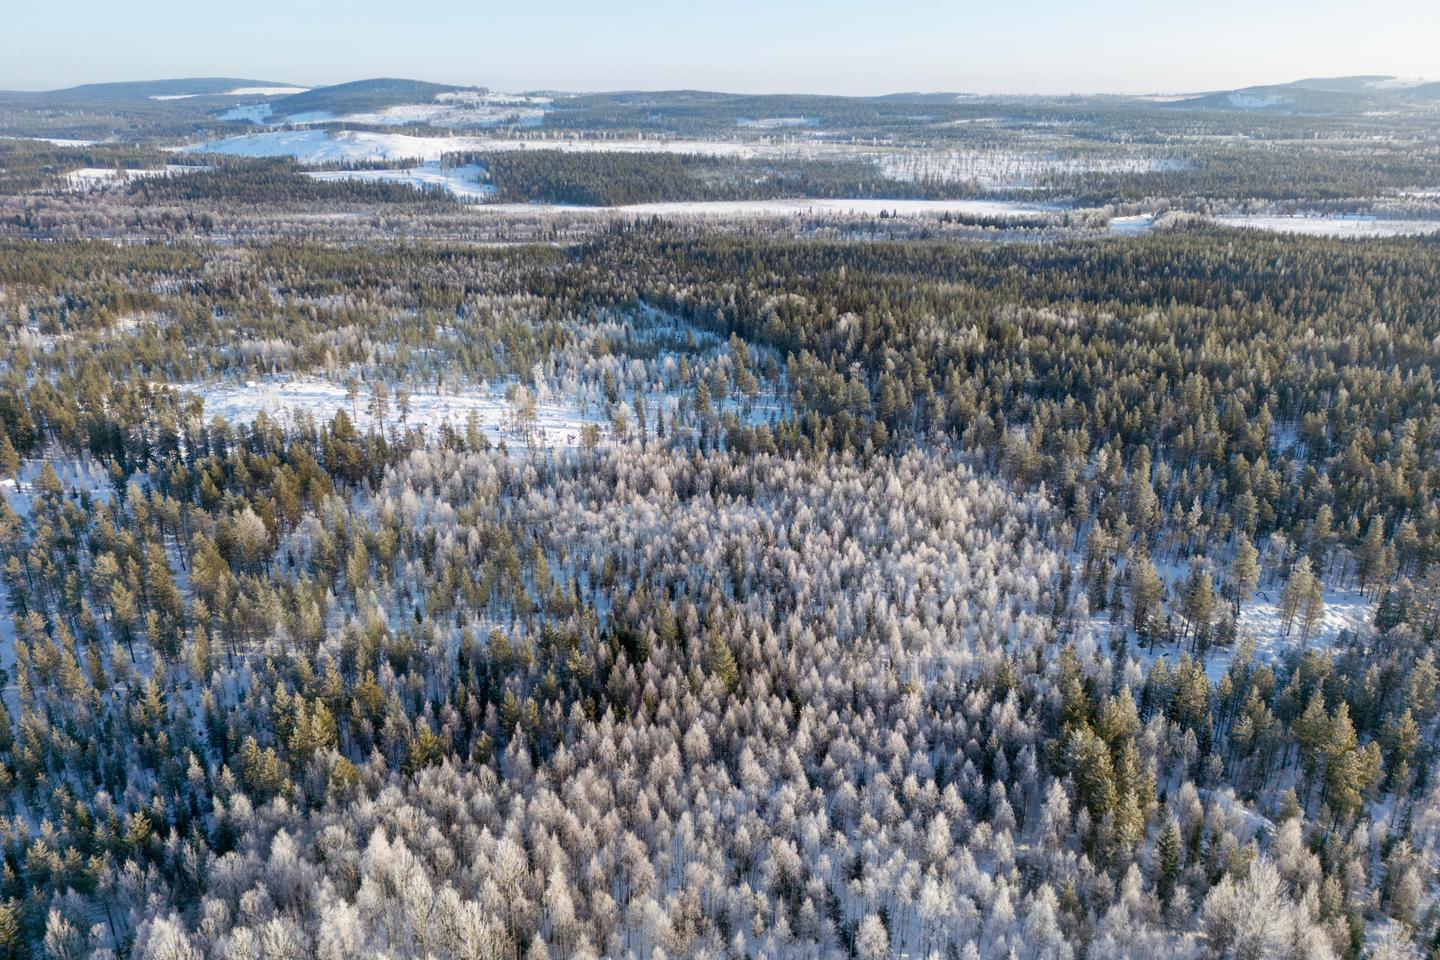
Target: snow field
463 181
1131 226
1332 226
829 207
330 146
1346 611
556 425
102 178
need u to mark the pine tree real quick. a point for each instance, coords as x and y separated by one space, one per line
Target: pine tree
1169 851
1199 598
1312 607
1296 590
1312 730
722 663
1244 572
1370 558
1145 590
9 458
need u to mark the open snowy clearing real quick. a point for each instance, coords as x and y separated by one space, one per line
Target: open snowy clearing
1131 226
464 108
86 475
1243 100
54 141
838 207
250 113
237 92
1346 612
557 424
1338 226
775 123
265 91
331 146
104 178
463 181
1007 168
447 115
802 207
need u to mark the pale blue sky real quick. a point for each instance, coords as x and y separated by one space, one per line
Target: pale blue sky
835 46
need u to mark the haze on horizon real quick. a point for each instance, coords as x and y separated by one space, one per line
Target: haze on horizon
747 46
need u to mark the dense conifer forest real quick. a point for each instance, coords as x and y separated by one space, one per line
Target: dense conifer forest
393 570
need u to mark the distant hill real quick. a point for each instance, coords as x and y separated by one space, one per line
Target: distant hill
142 91
1362 84
1316 95
361 96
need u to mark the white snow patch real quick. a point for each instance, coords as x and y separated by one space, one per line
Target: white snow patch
102 178
174 96
310 116
1346 611
1396 83
837 207
1131 226
56 141
328 146
775 123
254 113
460 108
1244 100
557 424
264 91
464 182
86 474
1005 168
1331 226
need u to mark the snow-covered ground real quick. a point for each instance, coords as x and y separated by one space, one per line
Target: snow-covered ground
330 146
1245 100
265 91
237 92
837 207
101 178
1346 611
250 113
464 181
1332 226
557 423
775 123
84 475
459 108
1395 83
54 141
1131 226
1006 168
446 115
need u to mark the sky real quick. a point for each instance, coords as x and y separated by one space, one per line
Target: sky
812 46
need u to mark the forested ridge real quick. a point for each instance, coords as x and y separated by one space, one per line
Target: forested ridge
895 598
